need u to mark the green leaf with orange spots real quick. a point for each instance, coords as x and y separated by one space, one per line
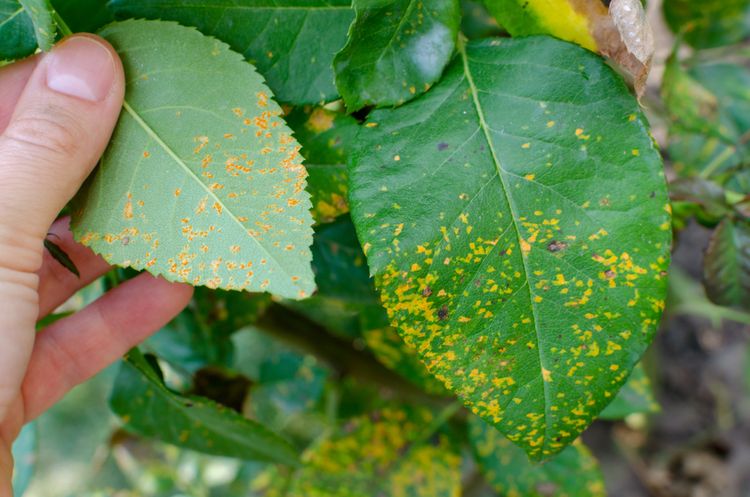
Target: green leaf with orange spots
149 408
202 181
25 25
396 50
326 138
572 473
391 452
291 42
516 221
635 397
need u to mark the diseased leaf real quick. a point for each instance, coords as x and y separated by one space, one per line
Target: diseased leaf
326 138
24 26
635 396
385 453
517 224
620 32
202 181
709 23
396 50
572 473
291 42
149 408
726 264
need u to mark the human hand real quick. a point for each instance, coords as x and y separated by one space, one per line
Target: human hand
57 112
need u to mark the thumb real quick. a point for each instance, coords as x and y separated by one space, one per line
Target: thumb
59 129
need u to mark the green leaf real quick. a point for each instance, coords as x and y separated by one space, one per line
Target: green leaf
60 256
348 305
726 265
691 106
189 345
345 290
291 42
24 26
617 29
391 350
84 15
709 23
636 396
396 50
45 29
326 138
719 146
149 408
476 21
289 385
517 224
572 473
202 181
385 454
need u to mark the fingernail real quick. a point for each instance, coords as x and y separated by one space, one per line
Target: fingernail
81 67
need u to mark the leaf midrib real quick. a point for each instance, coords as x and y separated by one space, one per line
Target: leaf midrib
150 131
500 172
12 16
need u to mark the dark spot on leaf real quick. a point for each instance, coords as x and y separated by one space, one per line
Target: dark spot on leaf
443 313
442 146
609 274
125 240
427 291
652 195
556 246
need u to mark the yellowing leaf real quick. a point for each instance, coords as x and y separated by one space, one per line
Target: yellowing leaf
572 473
390 453
620 32
203 182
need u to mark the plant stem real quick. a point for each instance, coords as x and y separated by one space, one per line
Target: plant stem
304 334
717 162
442 417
